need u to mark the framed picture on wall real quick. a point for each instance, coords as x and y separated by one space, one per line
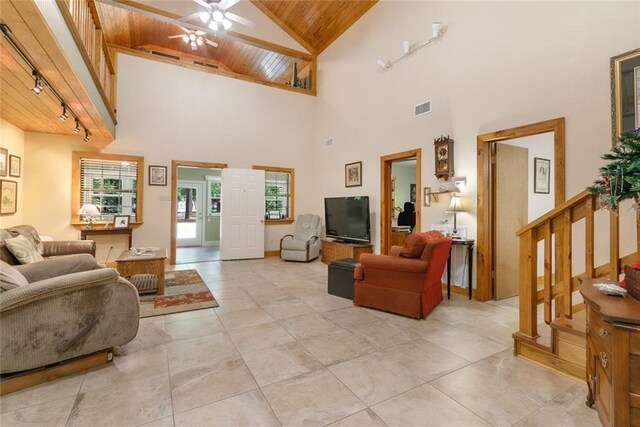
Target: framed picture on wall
157 175
353 174
3 162
121 221
8 197
15 163
541 175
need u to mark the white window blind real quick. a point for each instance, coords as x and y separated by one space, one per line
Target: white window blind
110 185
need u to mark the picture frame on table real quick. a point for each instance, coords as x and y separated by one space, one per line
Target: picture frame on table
15 164
353 174
8 197
121 221
157 175
541 175
3 161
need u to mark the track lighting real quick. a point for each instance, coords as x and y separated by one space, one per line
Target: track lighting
86 135
437 32
38 84
77 129
64 114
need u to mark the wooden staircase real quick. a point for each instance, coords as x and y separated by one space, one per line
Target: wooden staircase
560 341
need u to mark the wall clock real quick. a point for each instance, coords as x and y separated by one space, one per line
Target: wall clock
444 157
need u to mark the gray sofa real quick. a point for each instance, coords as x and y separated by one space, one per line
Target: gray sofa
62 308
46 249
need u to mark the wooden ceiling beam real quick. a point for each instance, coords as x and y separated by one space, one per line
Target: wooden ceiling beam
280 23
353 19
172 18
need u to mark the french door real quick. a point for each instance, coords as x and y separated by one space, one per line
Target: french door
189 213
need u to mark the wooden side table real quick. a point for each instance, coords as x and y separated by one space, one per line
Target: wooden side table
106 231
152 262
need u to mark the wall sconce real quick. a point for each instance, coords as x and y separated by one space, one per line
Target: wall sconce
437 31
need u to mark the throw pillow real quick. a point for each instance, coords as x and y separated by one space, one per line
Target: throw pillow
10 277
23 250
413 246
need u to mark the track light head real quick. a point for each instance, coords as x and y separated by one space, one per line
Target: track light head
382 64
64 114
86 135
77 129
38 85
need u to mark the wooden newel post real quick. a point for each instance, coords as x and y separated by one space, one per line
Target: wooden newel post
528 289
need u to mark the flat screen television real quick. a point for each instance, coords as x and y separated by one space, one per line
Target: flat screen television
347 218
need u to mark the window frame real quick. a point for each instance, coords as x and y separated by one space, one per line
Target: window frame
209 180
292 187
76 180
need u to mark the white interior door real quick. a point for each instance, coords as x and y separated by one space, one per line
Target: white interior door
242 214
189 215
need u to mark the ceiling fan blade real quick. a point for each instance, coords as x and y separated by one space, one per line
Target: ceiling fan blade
189 17
177 36
200 33
227 4
214 44
240 20
202 3
184 29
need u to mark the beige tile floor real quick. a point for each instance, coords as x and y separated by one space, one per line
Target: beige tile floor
280 351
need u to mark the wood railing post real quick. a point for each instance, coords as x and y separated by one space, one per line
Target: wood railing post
589 222
614 245
567 306
558 228
547 290
528 279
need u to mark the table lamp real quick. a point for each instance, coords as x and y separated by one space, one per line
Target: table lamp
89 211
454 207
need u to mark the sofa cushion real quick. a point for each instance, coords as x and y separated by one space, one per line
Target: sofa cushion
22 248
413 246
10 277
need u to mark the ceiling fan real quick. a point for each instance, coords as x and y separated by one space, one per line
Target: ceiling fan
217 17
194 39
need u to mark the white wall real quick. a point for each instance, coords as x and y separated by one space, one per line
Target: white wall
167 112
500 65
12 139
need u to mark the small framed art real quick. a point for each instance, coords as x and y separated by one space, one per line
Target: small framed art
15 164
121 221
353 174
8 197
157 175
541 175
3 161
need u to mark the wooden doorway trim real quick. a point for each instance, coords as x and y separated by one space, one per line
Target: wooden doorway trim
485 190
385 194
174 183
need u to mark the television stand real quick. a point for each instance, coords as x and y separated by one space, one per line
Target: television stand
333 250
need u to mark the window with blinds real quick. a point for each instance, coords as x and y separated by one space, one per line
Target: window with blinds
277 194
111 185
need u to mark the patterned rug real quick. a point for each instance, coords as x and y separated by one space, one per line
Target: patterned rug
183 291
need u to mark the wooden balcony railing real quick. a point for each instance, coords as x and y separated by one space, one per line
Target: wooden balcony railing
87 29
555 230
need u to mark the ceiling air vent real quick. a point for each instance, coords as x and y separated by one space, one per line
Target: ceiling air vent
205 64
421 109
165 55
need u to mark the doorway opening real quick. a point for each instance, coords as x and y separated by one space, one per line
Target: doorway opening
401 183
512 198
195 211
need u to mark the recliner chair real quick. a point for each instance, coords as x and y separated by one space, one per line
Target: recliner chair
304 244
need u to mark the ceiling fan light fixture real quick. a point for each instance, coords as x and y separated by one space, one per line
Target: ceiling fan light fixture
199 41
194 46
185 39
192 37
213 25
226 24
217 16
204 17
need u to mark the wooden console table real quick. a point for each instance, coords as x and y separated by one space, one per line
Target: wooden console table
106 231
613 355
332 250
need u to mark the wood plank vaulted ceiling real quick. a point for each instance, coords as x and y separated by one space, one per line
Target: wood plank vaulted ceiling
314 25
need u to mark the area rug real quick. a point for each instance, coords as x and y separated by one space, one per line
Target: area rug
183 291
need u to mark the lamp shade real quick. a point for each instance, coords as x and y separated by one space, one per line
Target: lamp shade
89 210
456 204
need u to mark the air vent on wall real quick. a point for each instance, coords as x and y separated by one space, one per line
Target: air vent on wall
165 55
421 109
204 64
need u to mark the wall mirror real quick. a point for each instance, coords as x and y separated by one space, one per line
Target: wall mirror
625 93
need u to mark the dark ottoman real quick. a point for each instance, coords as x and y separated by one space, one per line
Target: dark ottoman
341 277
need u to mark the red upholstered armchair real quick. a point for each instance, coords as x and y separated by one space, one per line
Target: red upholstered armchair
408 286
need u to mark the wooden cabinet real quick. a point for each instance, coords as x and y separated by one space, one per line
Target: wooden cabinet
332 250
613 356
